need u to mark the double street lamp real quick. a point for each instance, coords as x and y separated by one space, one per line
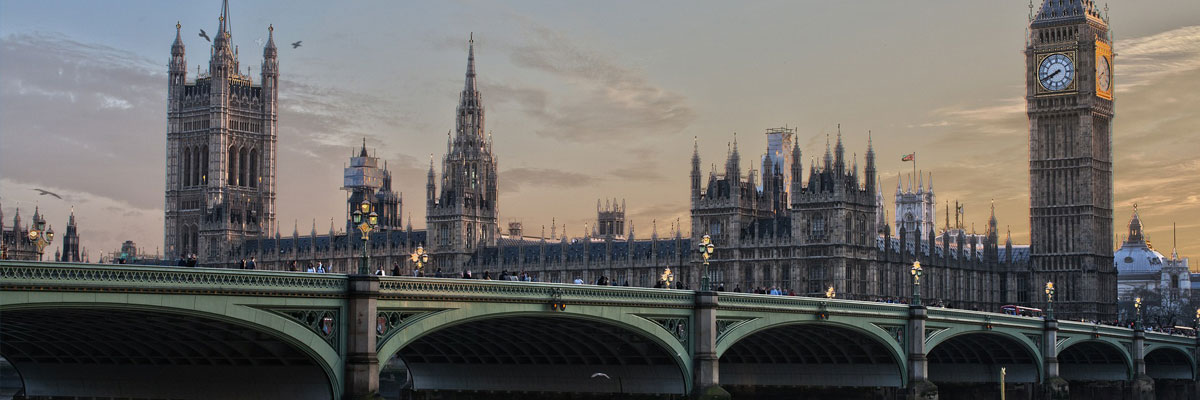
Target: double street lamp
420 258
1049 300
916 272
40 235
366 219
706 250
1137 306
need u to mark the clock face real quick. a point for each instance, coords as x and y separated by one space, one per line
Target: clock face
1104 75
1056 72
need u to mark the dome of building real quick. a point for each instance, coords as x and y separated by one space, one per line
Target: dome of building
1136 256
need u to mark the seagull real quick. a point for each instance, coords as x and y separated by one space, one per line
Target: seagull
259 41
204 35
297 44
44 192
601 375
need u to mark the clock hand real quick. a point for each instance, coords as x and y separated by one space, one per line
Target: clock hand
1052 75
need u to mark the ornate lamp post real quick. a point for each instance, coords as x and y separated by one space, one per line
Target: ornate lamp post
1137 305
916 272
1049 300
40 235
830 293
1198 321
365 219
706 251
420 258
668 277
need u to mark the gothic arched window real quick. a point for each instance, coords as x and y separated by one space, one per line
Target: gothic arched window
242 170
232 169
817 230
187 167
203 165
253 168
186 241
195 166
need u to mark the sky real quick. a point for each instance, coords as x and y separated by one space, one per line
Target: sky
585 101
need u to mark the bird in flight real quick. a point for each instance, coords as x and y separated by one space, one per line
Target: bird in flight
204 35
44 192
296 44
601 375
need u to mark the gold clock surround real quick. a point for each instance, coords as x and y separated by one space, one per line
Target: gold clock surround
1039 90
1104 56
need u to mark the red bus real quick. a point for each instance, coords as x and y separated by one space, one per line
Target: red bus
1021 311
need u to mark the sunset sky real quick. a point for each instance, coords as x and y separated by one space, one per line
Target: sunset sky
585 100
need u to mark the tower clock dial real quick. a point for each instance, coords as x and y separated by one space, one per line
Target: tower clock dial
1104 75
1056 72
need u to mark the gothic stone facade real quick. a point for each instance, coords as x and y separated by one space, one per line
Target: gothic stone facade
221 137
826 231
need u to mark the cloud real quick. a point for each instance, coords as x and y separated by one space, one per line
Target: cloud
104 222
643 167
512 180
607 101
929 124
1144 59
86 117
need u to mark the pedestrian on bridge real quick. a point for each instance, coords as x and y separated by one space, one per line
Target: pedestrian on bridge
251 264
395 269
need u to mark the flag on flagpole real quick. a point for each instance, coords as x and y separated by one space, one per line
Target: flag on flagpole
909 157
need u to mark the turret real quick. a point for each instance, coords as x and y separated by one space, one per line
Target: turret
733 168
869 173
177 72
431 185
223 62
828 156
695 171
839 162
797 170
270 71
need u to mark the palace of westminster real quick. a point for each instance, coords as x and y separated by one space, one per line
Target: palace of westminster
780 223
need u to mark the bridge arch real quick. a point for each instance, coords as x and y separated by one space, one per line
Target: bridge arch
1094 360
781 351
505 346
976 356
138 346
1169 362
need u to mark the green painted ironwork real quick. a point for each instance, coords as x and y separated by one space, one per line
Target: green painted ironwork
18 275
389 322
325 322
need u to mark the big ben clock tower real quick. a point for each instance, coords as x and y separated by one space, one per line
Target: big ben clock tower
1069 97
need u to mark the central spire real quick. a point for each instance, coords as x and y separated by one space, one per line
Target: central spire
224 28
469 88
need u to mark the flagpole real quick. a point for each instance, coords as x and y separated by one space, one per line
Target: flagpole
914 160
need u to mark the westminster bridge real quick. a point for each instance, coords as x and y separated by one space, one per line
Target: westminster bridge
167 332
